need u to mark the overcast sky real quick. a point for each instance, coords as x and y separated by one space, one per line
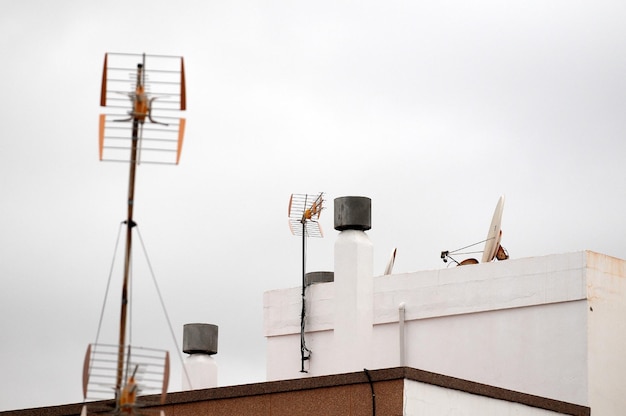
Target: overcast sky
432 109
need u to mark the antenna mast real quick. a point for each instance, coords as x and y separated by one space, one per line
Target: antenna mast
130 224
304 213
165 137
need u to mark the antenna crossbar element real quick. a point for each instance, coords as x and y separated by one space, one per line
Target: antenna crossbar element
148 367
142 90
304 213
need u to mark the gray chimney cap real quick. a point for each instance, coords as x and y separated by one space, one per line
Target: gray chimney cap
318 277
200 338
353 213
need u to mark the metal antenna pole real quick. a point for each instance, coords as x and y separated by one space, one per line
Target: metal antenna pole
129 240
127 260
302 345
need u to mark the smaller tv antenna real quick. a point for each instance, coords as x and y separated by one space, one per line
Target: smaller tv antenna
304 213
492 249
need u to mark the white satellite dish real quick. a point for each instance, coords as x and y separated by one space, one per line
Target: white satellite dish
492 250
492 243
391 261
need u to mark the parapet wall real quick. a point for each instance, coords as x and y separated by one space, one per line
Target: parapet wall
522 324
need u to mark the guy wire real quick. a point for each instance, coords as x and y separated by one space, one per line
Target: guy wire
106 293
167 318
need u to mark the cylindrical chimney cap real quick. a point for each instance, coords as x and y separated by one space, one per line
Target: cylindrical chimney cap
318 277
353 213
200 339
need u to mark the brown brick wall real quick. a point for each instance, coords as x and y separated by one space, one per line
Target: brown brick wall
348 400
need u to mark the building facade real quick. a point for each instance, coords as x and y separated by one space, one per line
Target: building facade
549 326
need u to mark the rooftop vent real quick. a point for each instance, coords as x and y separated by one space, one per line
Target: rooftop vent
200 369
318 277
353 213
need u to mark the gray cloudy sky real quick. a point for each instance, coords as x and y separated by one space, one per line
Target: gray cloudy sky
432 109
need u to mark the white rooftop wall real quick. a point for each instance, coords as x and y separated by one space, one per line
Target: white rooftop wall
425 399
551 326
606 337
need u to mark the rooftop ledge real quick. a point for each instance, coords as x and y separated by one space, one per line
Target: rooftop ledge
468 289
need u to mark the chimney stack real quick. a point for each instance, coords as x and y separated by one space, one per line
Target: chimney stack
200 369
354 285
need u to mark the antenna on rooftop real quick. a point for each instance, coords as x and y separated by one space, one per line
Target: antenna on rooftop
492 249
155 84
304 213
149 82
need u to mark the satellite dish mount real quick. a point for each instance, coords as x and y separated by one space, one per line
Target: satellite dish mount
492 249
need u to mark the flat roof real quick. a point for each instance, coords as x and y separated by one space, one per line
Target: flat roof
320 382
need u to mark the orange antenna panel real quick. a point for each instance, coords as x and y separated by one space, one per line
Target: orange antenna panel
304 211
143 96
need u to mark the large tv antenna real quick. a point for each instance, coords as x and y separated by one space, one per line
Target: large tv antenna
152 84
155 84
304 213
492 249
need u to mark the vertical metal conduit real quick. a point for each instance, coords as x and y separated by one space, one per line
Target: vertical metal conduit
401 313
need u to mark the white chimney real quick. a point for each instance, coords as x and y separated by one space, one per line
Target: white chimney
354 285
199 368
